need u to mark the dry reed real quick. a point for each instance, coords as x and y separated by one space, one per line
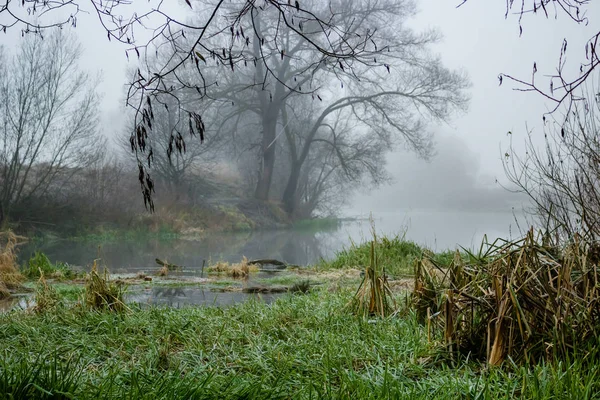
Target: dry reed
234 270
10 277
374 296
46 297
101 293
521 300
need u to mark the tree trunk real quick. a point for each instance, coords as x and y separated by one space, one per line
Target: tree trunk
2 216
265 177
289 195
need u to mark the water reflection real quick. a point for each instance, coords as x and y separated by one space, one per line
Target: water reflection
16 302
437 230
185 296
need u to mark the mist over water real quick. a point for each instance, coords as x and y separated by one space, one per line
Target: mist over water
436 230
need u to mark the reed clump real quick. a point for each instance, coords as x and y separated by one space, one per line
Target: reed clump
235 270
102 294
10 277
374 295
46 297
524 300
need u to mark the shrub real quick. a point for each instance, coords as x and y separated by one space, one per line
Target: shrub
101 293
10 277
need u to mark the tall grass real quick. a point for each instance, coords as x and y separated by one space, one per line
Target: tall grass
395 254
374 296
102 294
40 264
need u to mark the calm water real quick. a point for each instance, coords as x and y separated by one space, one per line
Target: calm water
436 230
177 297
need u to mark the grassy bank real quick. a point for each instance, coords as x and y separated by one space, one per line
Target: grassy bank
168 222
305 346
396 254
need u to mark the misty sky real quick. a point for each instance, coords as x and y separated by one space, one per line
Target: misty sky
478 39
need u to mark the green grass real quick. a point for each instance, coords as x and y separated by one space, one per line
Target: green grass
280 279
40 263
395 254
301 347
317 224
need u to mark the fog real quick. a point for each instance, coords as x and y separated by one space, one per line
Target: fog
470 125
453 180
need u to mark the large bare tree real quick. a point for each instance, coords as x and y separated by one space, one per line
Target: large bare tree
386 94
340 44
48 117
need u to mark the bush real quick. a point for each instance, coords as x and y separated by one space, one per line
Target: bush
101 294
10 278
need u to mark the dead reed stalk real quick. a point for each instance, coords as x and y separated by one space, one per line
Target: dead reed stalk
101 293
374 296
523 300
10 277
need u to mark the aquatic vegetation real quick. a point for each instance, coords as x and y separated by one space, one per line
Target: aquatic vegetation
234 270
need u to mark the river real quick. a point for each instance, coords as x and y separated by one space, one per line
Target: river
435 230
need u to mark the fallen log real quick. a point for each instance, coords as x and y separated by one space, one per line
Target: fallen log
170 267
273 262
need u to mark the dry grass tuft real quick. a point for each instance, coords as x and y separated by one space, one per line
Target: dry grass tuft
10 277
236 270
101 294
46 297
374 296
163 271
522 300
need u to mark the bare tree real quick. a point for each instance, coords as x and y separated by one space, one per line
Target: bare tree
337 32
325 167
563 178
48 119
342 46
388 92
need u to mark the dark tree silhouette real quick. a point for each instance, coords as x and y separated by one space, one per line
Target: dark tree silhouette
152 85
